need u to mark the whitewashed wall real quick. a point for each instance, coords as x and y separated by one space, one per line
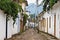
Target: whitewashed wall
23 6
56 10
52 12
46 25
59 22
39 24
58 34
16 28
50 30
10 28
18 22
2 25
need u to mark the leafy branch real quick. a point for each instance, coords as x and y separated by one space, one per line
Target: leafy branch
48 4
10 8
25 17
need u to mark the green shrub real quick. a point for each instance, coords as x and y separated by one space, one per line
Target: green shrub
25 17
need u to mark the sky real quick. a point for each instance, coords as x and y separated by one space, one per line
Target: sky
32 6
33 1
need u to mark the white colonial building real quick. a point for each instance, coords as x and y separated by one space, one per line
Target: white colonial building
50 21
10 29
2 25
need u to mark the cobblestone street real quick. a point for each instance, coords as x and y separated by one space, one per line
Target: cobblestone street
30 34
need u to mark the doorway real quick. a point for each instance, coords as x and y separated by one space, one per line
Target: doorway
54 25
47 25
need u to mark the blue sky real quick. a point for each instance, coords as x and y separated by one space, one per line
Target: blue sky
32 7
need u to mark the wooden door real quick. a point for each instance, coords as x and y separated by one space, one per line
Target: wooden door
44 24
49 22
54 25
47 25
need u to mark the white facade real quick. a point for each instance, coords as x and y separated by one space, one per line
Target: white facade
10 29
23 6
13 30
17 24
50 29
54 11
2 25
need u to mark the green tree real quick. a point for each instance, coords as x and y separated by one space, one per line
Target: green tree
21 1
10 8
48 3
25 17
32 15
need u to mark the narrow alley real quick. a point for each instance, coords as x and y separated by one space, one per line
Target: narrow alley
31 34
29 19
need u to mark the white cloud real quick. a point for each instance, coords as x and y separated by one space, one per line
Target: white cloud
34 1
31 1
39 2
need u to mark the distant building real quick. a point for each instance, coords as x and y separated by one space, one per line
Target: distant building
23 4
6 27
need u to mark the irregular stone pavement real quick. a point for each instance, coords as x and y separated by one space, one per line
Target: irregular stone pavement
30 34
